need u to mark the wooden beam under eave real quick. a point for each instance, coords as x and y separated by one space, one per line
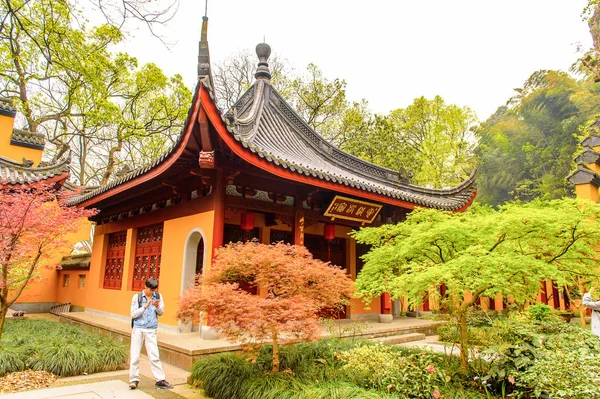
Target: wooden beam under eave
205 140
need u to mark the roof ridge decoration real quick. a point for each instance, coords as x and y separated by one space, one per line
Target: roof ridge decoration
204 70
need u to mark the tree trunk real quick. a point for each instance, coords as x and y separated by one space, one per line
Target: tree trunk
3 311
581 307
464 341
275 353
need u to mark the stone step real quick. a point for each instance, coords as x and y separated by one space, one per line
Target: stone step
401 339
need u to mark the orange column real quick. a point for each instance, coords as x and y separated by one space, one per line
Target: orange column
218 197
299 228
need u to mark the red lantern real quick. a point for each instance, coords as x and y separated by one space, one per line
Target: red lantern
329 232
247 221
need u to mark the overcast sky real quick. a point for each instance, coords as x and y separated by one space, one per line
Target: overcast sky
471 52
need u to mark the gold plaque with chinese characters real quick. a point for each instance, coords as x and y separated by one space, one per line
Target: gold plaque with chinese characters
351 209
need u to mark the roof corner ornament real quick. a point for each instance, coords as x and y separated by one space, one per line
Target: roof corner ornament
263 51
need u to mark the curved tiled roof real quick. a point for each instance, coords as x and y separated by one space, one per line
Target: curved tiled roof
143 169
28 139
263 122
12 172
6 107
266 125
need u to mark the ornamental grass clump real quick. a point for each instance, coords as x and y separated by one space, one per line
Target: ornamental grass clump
61 349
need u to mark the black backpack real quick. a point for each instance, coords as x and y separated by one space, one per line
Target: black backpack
140 302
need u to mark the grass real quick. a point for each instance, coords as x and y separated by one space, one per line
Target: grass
61 349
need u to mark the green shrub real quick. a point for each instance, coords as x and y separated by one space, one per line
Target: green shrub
563 374
478 336
11 360
541 312
66 359
223 375
58 348
312 361
319 370
523 346
380 367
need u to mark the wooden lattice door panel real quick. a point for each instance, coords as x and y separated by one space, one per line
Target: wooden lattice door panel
115 255
148 249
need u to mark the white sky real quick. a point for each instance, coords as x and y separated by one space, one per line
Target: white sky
471 52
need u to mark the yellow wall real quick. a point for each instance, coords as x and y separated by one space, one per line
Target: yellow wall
587 191
73 293
45 291
175 233
14 152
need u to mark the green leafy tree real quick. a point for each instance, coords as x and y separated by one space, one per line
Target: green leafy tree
527 146
71 87
481 252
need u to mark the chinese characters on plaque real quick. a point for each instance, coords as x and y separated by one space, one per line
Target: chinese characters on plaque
351 209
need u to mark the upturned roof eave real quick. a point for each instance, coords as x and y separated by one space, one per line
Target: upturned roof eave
150 171
249 153
244 130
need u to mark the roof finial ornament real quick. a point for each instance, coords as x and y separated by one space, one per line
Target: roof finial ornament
206 8
263 51
204 70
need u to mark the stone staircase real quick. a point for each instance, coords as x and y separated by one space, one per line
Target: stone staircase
401 339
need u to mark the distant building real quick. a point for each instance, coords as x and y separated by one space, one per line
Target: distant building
21 164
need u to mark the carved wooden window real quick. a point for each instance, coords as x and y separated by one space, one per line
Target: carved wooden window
115 255
148 249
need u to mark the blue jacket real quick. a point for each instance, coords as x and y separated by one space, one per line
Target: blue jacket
146 318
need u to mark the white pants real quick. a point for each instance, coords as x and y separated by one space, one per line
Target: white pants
138 336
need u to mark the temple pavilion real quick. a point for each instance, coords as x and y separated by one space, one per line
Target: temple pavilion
256 171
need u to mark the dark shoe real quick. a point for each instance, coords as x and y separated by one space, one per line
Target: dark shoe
133 384
163 384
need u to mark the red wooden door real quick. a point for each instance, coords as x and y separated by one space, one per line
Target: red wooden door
148 251
115 254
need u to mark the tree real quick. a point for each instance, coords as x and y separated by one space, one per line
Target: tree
440 138
71 87
527 146
481 253
297 287
590 62
34 221
429 142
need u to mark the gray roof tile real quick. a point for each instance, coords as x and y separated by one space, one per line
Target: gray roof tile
12 172
278 134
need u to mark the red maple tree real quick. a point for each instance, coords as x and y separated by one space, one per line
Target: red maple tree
293 285
34 220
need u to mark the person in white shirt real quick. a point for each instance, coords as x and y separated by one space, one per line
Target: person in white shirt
588 302
146 306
